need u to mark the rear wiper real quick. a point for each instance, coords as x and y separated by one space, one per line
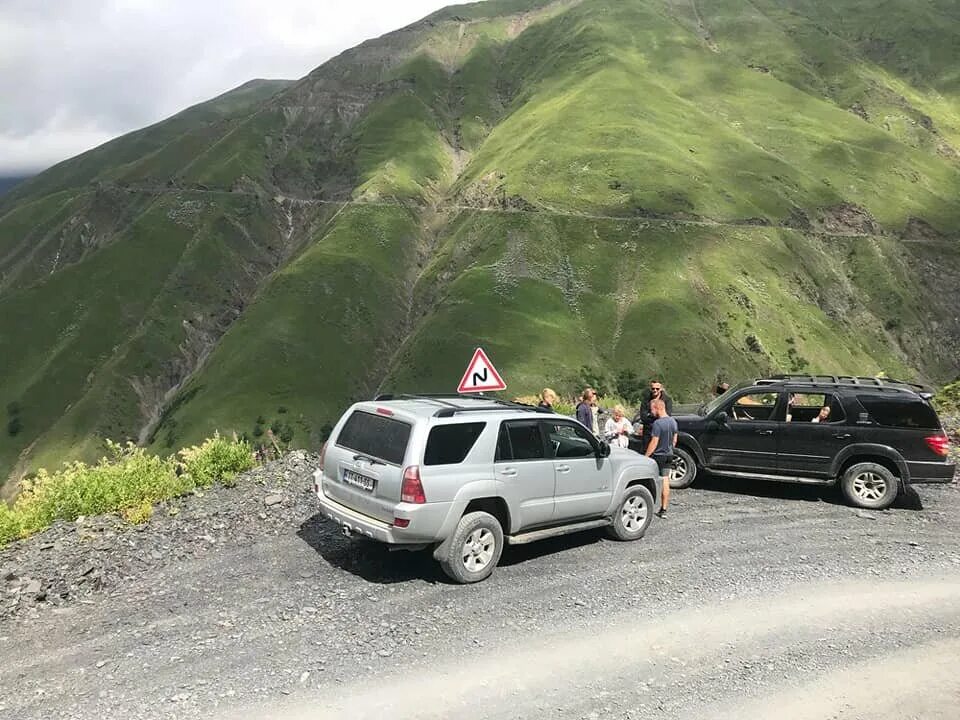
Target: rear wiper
371 460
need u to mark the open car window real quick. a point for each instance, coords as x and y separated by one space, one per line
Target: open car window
756 407
806 407
570 441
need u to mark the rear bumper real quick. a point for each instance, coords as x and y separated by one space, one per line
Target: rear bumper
931 472
425 521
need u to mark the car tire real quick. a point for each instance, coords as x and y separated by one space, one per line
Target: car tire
870 486
682 458
633 515
474 549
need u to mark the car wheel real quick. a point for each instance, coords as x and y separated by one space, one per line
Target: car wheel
869 485
633 515
684 470
475 548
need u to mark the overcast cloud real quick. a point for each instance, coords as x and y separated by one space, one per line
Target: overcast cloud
75 73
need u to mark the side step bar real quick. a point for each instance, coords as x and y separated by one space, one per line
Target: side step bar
774 478
534 535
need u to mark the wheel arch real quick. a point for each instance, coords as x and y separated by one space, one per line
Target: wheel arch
880 454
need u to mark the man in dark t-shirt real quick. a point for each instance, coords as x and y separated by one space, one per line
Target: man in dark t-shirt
663 439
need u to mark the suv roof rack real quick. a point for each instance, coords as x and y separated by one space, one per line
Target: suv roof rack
881 383
450 409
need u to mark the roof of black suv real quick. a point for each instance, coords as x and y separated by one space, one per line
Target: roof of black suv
860 384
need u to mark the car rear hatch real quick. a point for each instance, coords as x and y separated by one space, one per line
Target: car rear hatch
363 466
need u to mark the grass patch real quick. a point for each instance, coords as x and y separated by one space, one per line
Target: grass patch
129 480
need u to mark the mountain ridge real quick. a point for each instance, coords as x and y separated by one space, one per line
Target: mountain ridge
547 179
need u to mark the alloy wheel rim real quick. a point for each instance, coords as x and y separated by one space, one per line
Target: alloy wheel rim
478 548
679 469
633 514
869 486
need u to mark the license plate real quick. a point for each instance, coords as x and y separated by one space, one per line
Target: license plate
357 480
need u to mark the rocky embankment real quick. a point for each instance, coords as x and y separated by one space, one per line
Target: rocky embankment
73 560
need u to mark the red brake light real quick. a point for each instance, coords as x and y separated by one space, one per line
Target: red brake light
940 444
412 489
401 522
385 411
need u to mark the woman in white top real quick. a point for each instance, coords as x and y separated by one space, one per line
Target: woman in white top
619 425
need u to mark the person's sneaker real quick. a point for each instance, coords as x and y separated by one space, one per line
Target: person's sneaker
661 513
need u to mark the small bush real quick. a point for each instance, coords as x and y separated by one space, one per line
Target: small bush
216 459
14 426
126 478
282 410
10 527
139 514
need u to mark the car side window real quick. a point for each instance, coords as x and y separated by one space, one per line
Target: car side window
809 407
524 439
570 441
756 407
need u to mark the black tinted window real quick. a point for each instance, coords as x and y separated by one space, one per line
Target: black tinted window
526 441
899 412
375 435
449 444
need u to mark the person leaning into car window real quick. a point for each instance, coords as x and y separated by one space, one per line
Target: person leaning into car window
664 434
823 416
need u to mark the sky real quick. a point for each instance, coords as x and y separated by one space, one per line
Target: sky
76 73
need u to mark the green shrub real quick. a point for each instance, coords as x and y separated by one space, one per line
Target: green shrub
947 401
127 478
14 426
216 459
10 527
129 481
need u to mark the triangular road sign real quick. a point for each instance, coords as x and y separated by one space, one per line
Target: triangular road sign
481 375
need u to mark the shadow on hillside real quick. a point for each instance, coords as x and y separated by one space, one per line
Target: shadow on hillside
376 563
908 500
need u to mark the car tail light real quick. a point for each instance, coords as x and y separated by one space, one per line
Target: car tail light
940 444
412 489
323 453
401 522
385 411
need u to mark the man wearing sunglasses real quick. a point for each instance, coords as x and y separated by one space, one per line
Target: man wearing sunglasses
645 415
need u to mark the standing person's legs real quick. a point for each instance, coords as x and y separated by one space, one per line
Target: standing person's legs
665 463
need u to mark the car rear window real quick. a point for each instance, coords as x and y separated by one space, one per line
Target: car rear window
450 444
900 412
375 435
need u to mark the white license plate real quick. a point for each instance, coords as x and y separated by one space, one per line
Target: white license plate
359 481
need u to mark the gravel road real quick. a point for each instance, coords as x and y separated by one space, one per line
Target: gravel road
772 601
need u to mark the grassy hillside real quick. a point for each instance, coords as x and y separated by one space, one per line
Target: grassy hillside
682 188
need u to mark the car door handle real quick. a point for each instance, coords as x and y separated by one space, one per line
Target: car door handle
509 472
843 436
563 468
764 432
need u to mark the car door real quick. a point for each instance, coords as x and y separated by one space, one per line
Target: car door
524 473
745 440
807 448
582 478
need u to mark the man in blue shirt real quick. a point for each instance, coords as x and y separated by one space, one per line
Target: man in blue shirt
663 439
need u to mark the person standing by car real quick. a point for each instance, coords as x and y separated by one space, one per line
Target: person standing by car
663 439
619 427
645 416
587 411
548 398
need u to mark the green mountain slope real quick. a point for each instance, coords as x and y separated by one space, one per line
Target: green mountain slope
673 187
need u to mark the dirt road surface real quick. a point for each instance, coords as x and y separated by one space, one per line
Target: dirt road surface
769 602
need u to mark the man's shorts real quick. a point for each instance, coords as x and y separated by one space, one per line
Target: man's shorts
665 463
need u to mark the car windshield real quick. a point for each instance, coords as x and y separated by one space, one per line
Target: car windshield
718 402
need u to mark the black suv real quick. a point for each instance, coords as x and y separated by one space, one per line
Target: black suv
871 435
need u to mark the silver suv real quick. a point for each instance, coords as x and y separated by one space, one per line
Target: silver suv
464 475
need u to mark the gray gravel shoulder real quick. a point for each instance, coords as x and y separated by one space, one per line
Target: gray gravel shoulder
247 596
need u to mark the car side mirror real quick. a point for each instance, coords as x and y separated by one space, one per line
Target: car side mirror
721 417
604 450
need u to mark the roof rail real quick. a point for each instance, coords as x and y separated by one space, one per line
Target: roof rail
450 409
847 380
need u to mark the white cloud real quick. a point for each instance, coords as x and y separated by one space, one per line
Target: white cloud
75 73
